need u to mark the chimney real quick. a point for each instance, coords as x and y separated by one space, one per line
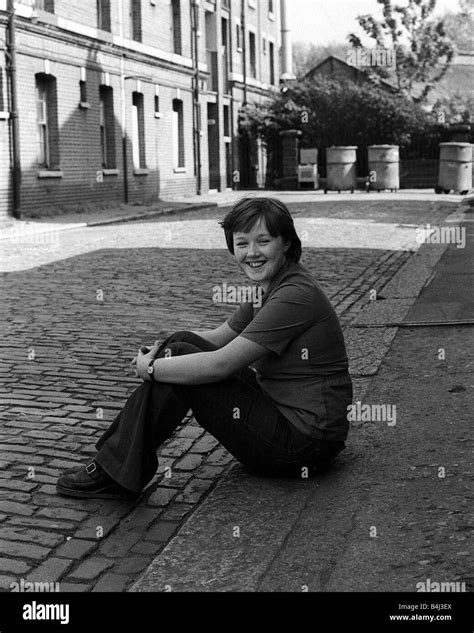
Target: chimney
286 45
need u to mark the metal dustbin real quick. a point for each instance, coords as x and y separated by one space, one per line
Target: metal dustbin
455 168
341 168
308 175
308 169
384 167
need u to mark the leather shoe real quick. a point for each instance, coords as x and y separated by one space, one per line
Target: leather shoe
89 482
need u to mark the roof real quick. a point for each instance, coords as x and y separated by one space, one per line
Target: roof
335 61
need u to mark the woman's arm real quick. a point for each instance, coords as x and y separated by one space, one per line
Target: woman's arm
219 337
206 367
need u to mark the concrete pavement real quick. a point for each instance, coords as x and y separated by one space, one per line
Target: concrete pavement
30 229
229 197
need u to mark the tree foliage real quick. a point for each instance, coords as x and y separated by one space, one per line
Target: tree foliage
457 108
422 46
460 26
333 113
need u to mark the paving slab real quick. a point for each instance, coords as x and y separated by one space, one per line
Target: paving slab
449 297
411 279
229 541
366 348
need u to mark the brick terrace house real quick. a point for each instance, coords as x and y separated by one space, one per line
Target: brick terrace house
133 99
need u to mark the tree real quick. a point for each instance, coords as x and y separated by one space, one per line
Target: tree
422 47
460 26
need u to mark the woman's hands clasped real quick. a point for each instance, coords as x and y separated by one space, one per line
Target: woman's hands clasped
142 361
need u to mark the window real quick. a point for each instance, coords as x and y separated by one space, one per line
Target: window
157 105
176 26
83 91
103 15
47 121
43 127
226 120
45 5
239 36
107 127
2 91
178 134
272 63
264 45
136 20
138 131
271 8
253 55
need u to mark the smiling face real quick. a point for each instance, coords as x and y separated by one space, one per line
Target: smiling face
259 254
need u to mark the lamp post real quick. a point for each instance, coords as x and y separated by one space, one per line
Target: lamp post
15 129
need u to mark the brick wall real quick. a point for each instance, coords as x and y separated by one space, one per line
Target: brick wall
70 56
5 193
80 148
5 189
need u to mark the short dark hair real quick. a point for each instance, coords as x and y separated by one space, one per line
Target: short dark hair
248 211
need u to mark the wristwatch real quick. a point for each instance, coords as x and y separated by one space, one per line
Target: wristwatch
150 370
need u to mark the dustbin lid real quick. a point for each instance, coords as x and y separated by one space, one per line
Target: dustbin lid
454 144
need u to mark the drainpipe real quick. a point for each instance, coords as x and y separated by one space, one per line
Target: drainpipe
14 123
232 117
244 49
124 107
286 45
196 93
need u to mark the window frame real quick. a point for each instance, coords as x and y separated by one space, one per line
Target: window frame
104 15
178 136
107 127
42 124
138 131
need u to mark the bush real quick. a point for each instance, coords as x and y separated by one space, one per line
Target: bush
337 113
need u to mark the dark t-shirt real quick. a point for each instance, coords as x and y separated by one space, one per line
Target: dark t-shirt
306 371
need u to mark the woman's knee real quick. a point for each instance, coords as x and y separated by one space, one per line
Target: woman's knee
182 336
178 348
191 338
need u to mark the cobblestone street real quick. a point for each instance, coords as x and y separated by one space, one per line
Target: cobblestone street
75 308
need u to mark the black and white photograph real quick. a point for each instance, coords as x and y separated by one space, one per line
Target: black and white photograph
236 258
